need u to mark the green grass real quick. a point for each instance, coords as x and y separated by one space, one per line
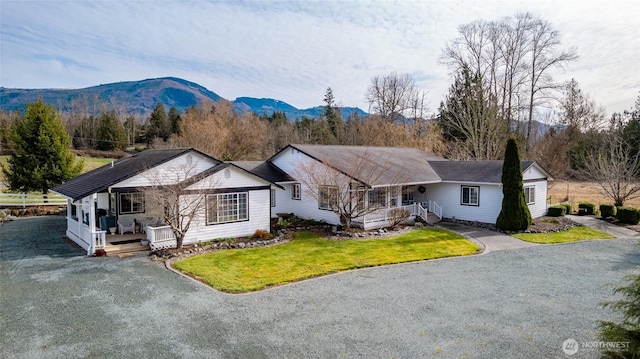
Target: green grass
308 255
573 234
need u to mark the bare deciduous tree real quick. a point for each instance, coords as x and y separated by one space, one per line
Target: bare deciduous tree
615 170
391 96
347 195
544 55
174 199
514 57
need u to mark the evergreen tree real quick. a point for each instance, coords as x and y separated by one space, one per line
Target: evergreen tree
174 120
332 114
158 124
110 134
515 215
470 121
40 156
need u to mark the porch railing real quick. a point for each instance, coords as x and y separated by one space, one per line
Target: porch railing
435 208
84 237
421 211
161 238
99 239
383 217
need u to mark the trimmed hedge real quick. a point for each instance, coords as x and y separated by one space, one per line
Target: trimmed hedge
607 210
628 215
590 207
557 211
567 206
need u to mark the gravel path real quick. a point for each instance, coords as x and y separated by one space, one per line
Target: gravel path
524 302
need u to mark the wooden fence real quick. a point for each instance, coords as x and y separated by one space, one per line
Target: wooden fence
31 199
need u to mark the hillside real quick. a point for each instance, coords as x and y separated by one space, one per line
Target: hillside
141 97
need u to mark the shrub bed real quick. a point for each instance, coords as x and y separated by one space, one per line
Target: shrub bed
607 210
557 211
628 215
567 206
590 208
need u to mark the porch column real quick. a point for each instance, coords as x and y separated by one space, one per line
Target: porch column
92 222
79 218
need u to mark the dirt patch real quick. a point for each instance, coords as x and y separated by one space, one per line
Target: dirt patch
551 224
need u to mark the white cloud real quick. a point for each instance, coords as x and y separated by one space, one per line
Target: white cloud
293 51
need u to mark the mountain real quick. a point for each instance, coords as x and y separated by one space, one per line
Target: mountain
136 96
268 106
141 97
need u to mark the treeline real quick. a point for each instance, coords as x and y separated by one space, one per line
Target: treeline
502 85
218 130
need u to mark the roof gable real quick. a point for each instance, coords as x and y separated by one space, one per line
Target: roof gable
122 169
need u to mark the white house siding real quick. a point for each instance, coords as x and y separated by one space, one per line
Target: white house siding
539 208
167 172
288 161
284 202
230 177
448 196
259 206
533 172
259 218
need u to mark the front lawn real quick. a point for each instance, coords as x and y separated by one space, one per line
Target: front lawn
309 255
573 234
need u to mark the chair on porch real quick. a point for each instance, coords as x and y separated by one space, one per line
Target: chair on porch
126 225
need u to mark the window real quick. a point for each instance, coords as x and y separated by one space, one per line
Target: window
358 193
227 207
273 197
470 196
530 195
131 203
295 191
407 195
393 197
378 197
327 197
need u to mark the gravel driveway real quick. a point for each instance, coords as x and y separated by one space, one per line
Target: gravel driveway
57 303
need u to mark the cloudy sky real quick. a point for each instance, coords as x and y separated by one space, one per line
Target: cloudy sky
293 50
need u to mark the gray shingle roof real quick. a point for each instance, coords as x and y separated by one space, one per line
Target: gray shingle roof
265 170
472 171
401 165
101 178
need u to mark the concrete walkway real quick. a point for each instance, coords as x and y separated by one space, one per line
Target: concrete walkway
489 241
605 226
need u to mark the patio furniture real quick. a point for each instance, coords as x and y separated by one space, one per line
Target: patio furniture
127 225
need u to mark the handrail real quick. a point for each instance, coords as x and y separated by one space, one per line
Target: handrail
435 208
161 238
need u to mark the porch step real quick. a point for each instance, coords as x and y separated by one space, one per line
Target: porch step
432 218
125 248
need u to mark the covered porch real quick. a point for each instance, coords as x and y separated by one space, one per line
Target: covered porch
393 201
116 222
